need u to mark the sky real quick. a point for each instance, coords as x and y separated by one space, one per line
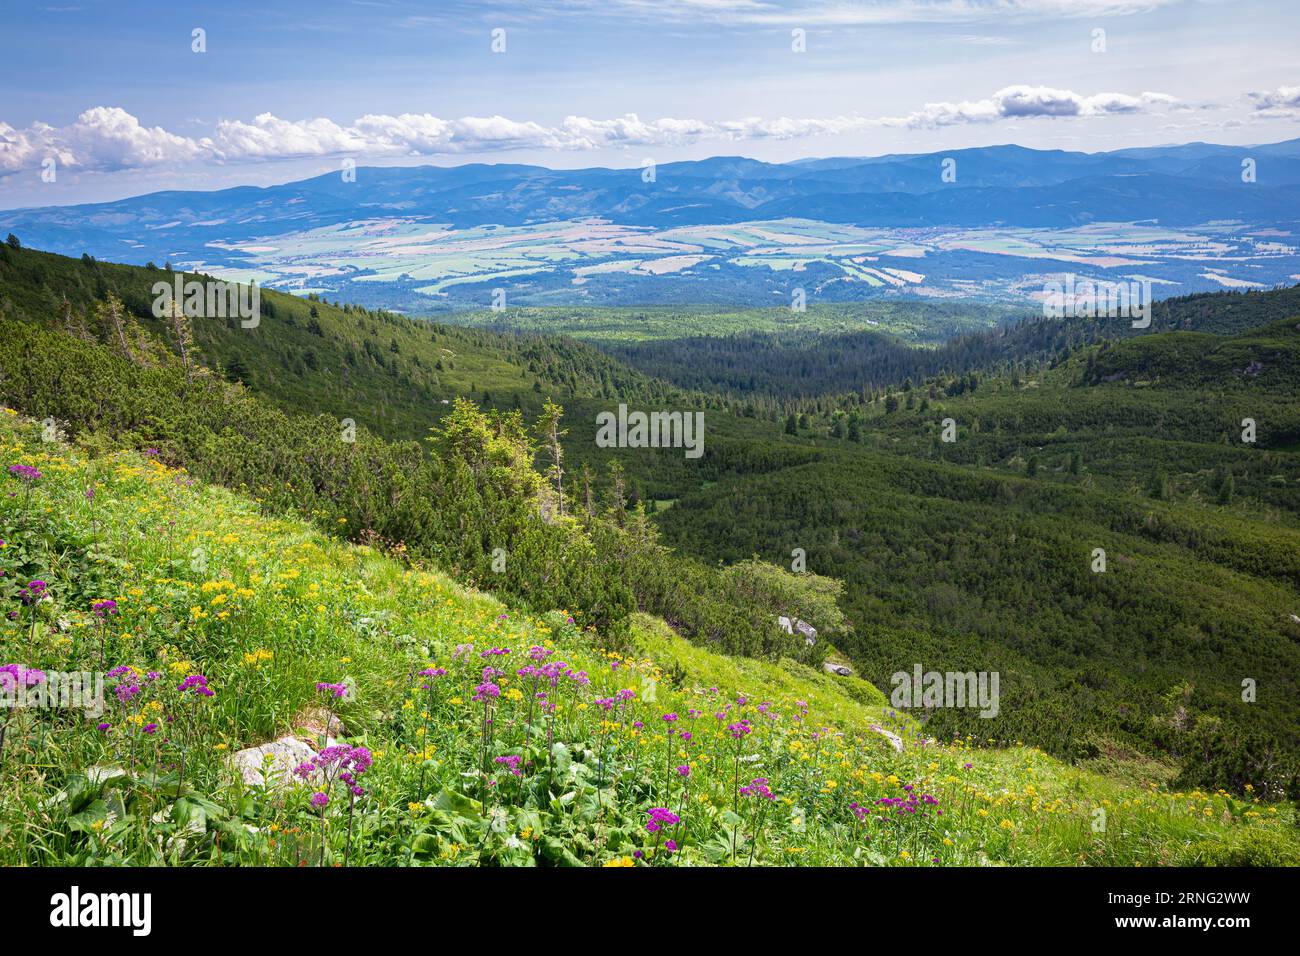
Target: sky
102 99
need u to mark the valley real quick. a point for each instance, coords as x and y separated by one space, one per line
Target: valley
1067 441
992 224
687 437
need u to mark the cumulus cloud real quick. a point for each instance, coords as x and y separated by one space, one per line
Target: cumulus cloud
1020 102
109 138
269 137
578 132
1283 101
102 139
24 148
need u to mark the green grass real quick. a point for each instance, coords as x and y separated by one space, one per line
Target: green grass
266 607
387 373
846 701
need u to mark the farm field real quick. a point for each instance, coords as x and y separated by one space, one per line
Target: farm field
419 266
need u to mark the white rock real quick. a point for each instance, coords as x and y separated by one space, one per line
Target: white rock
285 754
311 723
895 741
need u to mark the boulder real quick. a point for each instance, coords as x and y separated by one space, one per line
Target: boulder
839 669
311 724
895 741
272 763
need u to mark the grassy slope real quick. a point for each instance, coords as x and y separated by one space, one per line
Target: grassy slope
1028 418
178 556
341 362
948 549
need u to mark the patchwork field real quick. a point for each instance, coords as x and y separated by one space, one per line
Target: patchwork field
420 266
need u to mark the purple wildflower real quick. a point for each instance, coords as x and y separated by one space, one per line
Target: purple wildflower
511 762
196 684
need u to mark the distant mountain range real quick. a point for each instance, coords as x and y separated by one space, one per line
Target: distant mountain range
264 233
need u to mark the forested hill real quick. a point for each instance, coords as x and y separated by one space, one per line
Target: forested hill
1175 453
968 554
393 374
804 362
1263 358
460 487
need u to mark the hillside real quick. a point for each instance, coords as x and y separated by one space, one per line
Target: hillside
1264 359
389 374
947 551
460 487
950 550
871 345
228 628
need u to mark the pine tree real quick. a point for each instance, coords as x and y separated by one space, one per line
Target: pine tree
74 325
183 332
617 508
113 316
548 428
588 495
1158 481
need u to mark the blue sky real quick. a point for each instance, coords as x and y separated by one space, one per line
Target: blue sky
115 95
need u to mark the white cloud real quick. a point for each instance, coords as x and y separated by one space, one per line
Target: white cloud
269 137
25 148
102 139
1282 102
1019 102
109 138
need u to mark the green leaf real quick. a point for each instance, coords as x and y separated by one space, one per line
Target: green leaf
553 851
84 821
424 844
77 792
454 802
563 759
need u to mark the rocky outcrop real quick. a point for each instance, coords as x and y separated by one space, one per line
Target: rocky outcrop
895 741
272 763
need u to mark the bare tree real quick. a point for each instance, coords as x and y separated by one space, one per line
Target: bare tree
548 427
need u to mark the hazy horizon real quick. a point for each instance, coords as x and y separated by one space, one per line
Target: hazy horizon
417 163
200 98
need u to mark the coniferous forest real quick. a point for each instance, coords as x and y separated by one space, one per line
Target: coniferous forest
685 437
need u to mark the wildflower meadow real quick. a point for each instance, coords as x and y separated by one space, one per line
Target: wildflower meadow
420 723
